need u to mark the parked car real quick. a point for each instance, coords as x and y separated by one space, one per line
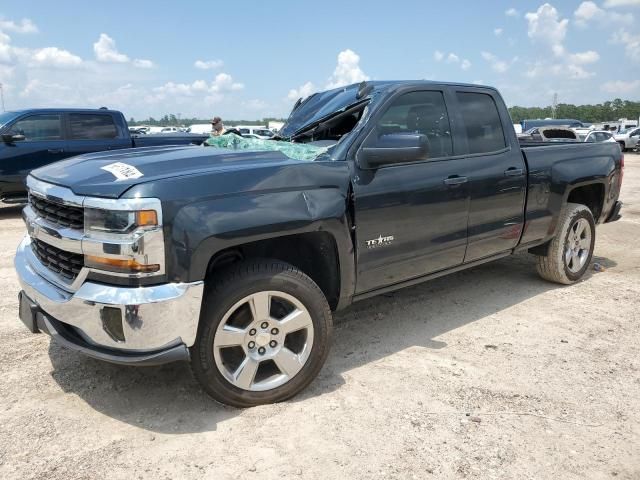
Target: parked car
550 134
596 136
551 122
200 128
628 138
37 137
235 260
257 132
169 130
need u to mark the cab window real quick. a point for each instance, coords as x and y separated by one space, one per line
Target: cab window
418 112
38 127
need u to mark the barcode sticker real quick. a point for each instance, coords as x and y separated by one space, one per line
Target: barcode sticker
122 171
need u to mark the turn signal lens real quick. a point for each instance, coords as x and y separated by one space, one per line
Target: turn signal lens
145 218
117 265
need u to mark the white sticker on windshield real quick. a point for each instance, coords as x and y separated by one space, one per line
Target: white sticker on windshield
122 171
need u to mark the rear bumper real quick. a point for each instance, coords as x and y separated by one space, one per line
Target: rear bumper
134 326
615 213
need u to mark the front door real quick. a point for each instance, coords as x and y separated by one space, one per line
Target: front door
43 144
411 219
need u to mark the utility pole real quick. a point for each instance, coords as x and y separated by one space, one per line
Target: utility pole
2 97
554 106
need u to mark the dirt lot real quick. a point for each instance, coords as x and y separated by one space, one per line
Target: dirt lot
549 376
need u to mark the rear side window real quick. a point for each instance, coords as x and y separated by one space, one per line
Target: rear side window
38 127
482 122
86 126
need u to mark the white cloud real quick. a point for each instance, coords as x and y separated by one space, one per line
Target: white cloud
631 43
143 63
302 92
224 83
453 58
588 12
619 87
212 92
497 31
24 26
498 65
546 27
347 70
55 57
208 64
576 72
621 3
512 12
106 51
582 58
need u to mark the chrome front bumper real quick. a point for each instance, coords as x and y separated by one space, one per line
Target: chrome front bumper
154 319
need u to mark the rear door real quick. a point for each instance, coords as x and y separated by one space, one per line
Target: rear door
94 132
411 219
43 144
496 172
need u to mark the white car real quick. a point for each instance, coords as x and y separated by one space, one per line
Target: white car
169 129
200 128
628 138
261 132
596 136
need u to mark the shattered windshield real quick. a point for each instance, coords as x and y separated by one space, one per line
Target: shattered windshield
296 151
319 106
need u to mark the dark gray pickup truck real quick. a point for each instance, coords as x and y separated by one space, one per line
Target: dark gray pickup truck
233 256
36 137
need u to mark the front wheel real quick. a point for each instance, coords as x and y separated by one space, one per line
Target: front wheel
264 334
569 253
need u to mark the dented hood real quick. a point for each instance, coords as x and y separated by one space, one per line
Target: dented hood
110 174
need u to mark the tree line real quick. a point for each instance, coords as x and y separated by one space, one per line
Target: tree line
602 112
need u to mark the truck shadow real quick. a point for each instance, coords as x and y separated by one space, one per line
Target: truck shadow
166 399
10 211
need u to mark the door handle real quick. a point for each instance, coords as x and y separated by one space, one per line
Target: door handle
513 172
55 150
455 180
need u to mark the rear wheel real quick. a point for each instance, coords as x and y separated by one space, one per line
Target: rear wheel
569 253
264 334
623 147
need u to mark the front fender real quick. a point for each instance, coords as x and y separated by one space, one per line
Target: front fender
202 229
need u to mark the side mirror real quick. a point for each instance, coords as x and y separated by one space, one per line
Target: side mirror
395 148
10 138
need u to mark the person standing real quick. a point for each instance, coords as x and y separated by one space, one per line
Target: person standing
217 127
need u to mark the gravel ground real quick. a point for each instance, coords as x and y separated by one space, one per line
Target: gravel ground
488 373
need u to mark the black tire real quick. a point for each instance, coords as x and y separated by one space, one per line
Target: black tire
553 266
623 147
229 288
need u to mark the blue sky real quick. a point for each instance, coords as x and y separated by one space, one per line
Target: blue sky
252 60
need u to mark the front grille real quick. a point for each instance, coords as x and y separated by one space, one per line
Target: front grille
66 264
58 213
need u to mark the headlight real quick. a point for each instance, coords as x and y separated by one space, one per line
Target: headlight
123 241
118 221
